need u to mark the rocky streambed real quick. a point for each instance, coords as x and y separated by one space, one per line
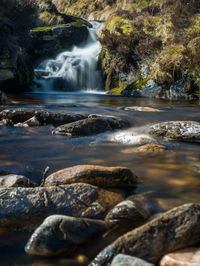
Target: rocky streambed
80 179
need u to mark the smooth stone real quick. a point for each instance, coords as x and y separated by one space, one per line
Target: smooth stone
30 117
177 130
184 257
23 207
142 109
91 126
147 148
128 210
175 229
60 234
100 176
125 260
14 181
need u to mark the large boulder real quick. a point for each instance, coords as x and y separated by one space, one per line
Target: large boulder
175 229
61 234
100 176
177 130
21 207
91 126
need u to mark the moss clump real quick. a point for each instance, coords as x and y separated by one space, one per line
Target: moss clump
49 28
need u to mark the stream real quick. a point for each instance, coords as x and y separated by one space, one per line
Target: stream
173 175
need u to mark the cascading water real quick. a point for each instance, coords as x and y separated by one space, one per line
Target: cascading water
74 70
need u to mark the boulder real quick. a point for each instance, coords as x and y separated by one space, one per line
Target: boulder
31 117
184 257
91 126
15 181
173 230
125 260
128 211
177 130
100 176
23 207
60 234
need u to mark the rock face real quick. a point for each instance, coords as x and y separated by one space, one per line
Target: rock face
91 126
60 234
32 117
15 66
177 130
170 231
124 260
100 176
14 181
26 206
184 257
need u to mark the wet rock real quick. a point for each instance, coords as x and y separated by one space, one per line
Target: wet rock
147 148
142 109
100 176
128 211
3 98
184 257
30 117
91 126
59 234
21 207
125 260
15 181
177 130
175 229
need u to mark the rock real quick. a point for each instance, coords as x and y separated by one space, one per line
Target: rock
184 257
175 229
61 234
142 109
100 176
147 148
128 211
125 260
177 130
91 126
15 181
21 207
30 117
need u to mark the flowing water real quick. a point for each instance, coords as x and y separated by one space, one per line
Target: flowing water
173 176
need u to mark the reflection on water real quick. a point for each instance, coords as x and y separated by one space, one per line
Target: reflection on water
172 175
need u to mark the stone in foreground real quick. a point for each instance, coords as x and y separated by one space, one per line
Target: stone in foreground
28 206
14 181
184 257
125 260
177 130
100 176
59 233
91 126
175 229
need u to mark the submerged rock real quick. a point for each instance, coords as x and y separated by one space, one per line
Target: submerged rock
147 148
183 257
91 126
175 229
100 176
15 181
142 109
27 206
59 234
177 130
30 117
125 260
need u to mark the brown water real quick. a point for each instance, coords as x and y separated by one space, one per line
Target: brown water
173 175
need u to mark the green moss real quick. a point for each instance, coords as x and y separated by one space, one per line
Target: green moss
49 28
118 25
116 91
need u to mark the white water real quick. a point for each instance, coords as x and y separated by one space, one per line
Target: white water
74 70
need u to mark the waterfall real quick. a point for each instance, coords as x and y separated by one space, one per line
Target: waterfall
74 70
